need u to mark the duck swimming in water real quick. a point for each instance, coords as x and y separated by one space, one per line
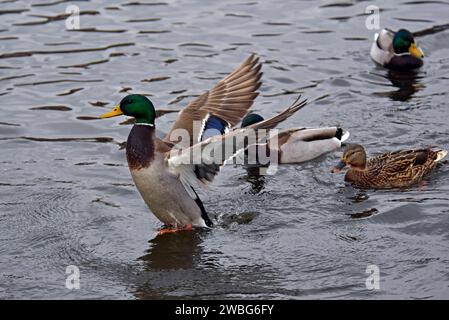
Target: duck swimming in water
397 169
299 145
163 170
396 50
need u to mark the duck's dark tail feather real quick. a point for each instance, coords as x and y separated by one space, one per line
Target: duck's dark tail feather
339 133
203 210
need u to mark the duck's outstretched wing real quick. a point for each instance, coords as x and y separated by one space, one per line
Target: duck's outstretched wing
229 101
200 163
282 116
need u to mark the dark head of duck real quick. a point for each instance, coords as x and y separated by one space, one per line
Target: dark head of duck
403 42
134 105
251 119
139 146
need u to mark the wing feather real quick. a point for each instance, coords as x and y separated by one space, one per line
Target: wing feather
209 155
229 100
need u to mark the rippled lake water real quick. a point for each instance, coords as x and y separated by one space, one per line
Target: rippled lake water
67 198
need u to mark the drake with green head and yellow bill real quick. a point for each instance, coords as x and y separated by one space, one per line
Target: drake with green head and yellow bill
163 170
396 50
398 169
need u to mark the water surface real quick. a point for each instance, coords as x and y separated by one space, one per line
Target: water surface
67 198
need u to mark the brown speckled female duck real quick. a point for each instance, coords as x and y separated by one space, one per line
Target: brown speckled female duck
390 170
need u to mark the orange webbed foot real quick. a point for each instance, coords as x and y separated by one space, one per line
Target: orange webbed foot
165 230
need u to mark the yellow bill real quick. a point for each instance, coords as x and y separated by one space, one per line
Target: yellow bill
416 51
114 113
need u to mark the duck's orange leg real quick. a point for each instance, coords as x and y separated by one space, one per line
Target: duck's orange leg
187 227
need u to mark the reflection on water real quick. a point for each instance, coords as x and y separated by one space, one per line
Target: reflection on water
407 82
182 267
166 262
173 251
66 195
254 177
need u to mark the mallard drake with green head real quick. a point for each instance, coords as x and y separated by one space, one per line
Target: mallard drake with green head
297 145
396 50
164 170
390 170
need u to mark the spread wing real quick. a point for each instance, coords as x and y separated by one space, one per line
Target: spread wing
229 100
275 120
200 163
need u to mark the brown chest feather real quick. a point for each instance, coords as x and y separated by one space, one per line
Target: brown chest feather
140 147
